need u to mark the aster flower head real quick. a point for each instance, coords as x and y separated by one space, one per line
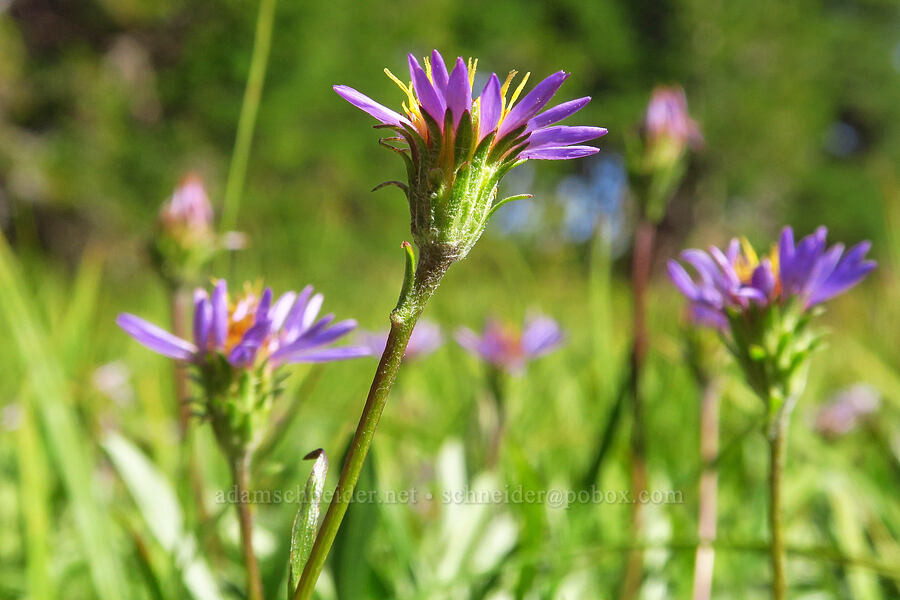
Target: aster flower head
188 211
764 305
846 410
457 147
668 125
657 159
238 345
426 337
185 240
507 349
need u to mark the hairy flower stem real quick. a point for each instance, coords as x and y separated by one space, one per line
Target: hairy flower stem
433 264
240 471
706 529
640 279
777 435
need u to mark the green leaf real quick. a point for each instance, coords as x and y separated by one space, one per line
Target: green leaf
155 498
306 524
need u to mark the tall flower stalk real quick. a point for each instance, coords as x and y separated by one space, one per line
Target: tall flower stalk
763 308
656 166
239 347
456 149
506 352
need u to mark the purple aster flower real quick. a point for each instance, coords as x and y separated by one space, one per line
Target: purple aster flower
251 330
506 349
425 339
736 279
457 146
668 121
845 411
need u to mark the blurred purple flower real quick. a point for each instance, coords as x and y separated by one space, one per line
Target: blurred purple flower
438 98
425 339
668 121
847 408
737 279
506 349
251 329
188 211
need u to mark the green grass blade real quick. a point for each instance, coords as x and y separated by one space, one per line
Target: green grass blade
69 450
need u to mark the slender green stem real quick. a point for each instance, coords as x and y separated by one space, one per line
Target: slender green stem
497 384
430 270
237 171
777 442
240 470
640 280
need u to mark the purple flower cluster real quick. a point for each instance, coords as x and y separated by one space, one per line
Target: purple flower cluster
438 100
251 330
506 349
736 279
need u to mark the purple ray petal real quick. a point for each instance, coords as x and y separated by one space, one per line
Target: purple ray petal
220 314
293 324
244 353
265 303
849 272
727 277
704 265
312 310
682 280
281 309
534 101
439 73
202 319
428 98
557 113
541 336
491 106
469 340
565 153
704 315
366 104
328 354
156 339
763 278
459 92
563 136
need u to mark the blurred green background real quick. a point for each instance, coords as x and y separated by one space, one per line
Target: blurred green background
105 104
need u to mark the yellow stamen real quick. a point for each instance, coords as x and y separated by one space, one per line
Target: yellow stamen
504 88
408 90
473 66
749 252
428 70
515 95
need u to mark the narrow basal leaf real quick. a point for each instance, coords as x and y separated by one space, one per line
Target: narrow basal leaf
306 524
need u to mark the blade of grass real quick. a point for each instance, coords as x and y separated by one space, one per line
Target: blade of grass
35 503
155 498
69 449
237 171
